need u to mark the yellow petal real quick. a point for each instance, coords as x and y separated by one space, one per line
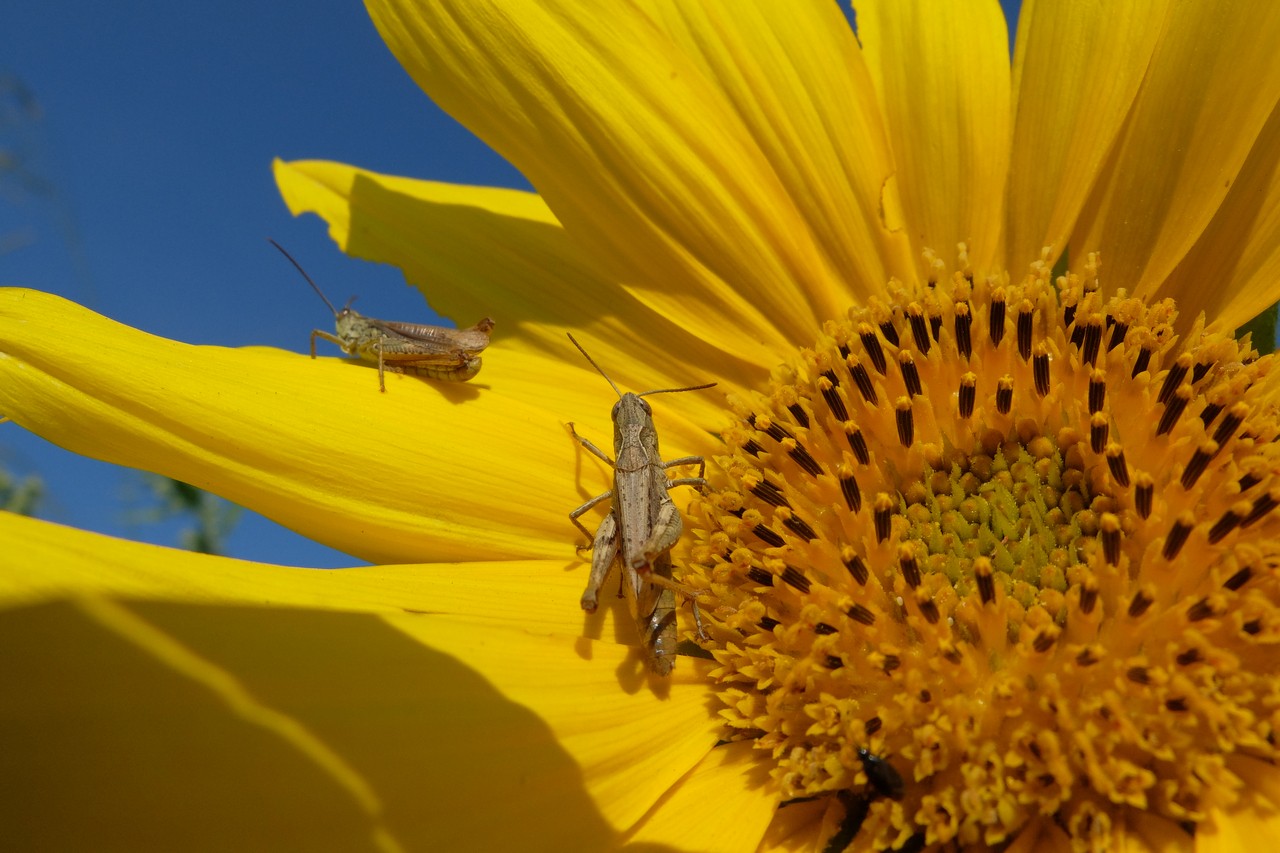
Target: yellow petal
1077 68
1214 79
160 726
639 156
796 826
485 251
942 75
43 562
633 735
725 803
794 75
429 471
1233 272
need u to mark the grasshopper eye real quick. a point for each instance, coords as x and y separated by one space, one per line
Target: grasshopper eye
617 407
647 410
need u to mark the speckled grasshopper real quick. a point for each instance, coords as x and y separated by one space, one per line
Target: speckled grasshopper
643 523
418 348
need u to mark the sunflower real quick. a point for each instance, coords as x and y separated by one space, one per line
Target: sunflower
987 550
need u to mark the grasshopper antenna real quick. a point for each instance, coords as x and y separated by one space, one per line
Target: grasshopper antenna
314 286
592 362
615 387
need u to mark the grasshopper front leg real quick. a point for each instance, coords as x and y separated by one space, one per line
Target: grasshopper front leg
604 551
577 513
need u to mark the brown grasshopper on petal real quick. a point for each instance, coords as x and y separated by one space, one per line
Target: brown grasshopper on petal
418 348
643 523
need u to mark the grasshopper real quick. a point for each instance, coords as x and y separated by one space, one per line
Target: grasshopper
418 348
643 523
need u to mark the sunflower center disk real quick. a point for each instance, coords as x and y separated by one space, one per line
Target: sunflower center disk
1014 543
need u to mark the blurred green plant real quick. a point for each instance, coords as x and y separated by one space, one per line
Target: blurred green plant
211 518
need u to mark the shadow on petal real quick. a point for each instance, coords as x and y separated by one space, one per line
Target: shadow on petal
180 727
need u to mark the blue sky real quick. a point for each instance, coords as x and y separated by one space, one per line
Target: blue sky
158 124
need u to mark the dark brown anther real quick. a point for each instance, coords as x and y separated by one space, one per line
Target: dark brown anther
910 376
1092 342
1109 531
1198 372
1230 423
889 331
1199 462
935 326
871 344
950 652
1174 377
1069 315
872 725
792 577
928 609
1173 409
1040 370
1118 332
861 615
1116 464
863 380
857 444
1262 505
1178 535
1099 430
968 394
805 460
1143 494
1138 675
760 576
905 421
1248 481
768 623
852 494
834 662
1176 704
1026 314
797 411
1202 609
1097 390
857 569
1077 335
996 320
1088 596
1229 521
1140 603
982 572
891 662
769 493
1239 579
963 324
774 430
909 565
1088 656
831 394
768 537
1004 394
822 629
800 527
882 515
1209 412
1141 362
1189 657
1045 638
919 328
752 447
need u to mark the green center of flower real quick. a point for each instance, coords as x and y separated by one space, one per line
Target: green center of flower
990 553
